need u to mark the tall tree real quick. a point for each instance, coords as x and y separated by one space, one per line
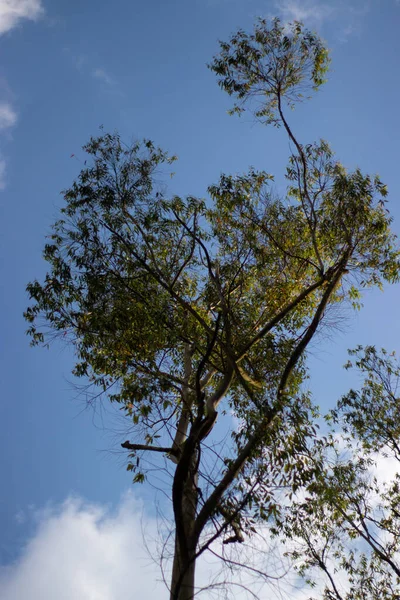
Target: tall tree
184 309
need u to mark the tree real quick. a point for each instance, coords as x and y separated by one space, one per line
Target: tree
348 524
182 309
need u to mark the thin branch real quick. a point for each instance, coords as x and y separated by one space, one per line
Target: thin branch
135 447
312 224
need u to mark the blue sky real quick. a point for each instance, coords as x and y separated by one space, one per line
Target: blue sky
68 67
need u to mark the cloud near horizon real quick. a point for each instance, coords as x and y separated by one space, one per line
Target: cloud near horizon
14 11
86 551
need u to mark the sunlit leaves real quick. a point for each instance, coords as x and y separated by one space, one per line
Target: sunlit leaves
274 61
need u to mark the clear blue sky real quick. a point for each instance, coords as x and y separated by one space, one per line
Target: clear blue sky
69 66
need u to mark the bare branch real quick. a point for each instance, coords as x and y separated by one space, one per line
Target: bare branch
128 446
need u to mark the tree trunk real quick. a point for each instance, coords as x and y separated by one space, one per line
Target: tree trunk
183 570
183 575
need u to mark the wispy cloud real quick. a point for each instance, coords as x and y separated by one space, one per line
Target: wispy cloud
78 60
103 76
3 167
8 116
86 66
311 12
14 11
345 16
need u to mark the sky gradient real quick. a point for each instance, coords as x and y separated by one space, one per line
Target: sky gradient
68 67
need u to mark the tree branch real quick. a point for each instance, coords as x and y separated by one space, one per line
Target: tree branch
311 223
134 447
281 315
298 351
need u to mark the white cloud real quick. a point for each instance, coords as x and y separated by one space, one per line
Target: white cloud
13 11
88 552
8 116
84 551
